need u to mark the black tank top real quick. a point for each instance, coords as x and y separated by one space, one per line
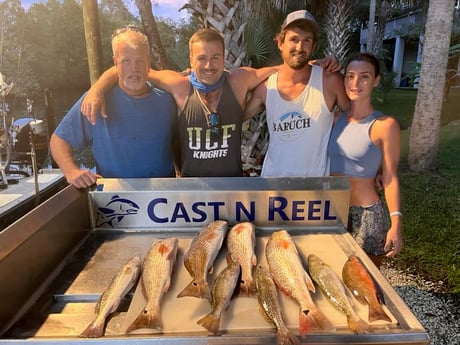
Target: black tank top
208 150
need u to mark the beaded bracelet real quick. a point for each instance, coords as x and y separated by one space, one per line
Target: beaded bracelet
396 213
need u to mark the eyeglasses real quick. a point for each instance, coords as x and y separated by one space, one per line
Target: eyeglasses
213 124
116 32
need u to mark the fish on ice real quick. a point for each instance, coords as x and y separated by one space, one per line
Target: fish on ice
334 290
289 274
200 257
364 288
241 242
221 295
110 299
267 297
159 263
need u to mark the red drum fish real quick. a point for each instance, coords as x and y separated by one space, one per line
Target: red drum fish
110 299
361 284
267 296
222 292
159 263
200 257
241 241
290 276
333 288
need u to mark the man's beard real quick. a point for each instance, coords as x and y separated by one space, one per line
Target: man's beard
297 64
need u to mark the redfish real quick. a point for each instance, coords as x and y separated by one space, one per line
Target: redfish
159 263
241 241
121 284
333 288
290 276
358 280
200 257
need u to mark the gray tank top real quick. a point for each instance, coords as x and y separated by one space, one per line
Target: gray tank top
351 150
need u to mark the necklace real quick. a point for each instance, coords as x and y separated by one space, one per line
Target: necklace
204 101
212 117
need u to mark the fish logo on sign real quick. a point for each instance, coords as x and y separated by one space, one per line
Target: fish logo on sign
115 210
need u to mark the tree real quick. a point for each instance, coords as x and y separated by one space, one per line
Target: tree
424 134
370 26
160 60
337 29
93 38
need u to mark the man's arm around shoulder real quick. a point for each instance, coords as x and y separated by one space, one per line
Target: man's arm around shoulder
256 102
335 90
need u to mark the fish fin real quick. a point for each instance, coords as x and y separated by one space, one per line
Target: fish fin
146 320
377 313
98 306
285 337
199 289
313 319
309 283
247 288
94 330
378 291
211 322
319 321
304 322
358 326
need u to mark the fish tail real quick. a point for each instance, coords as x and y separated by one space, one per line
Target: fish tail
211 322
319 321
94 330
305 322
358 326
247 288
146 320
199 289
377 313
285 337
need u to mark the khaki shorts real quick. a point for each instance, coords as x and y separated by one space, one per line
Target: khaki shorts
369 226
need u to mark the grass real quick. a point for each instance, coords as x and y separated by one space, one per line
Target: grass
430 200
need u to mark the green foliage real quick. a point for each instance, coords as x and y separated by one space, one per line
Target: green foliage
400 104
259 45
430 201
175 37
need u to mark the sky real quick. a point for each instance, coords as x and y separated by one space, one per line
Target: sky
167 9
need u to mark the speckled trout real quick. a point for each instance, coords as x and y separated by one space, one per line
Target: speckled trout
159 263
332 287
199 259
267 296
241 242
221 294
361 284
110 299
290 276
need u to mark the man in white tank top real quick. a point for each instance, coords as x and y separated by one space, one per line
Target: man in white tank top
299 101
